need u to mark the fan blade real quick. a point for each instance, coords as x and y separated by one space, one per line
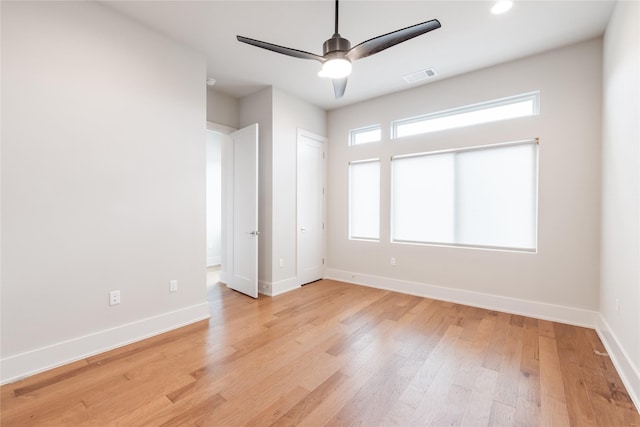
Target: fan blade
339 86
385 41
281 49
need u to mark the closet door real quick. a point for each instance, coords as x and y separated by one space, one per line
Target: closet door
310 207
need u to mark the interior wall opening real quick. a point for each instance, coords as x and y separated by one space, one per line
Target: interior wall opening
214 204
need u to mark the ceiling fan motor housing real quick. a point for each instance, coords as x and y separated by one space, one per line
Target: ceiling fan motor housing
336 44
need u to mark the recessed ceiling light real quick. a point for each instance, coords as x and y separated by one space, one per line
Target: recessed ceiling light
501 6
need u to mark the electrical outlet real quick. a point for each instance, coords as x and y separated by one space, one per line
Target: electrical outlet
114 297
281 262
393 261
173 286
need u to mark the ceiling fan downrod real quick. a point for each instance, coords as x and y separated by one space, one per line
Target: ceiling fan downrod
336 31
336 43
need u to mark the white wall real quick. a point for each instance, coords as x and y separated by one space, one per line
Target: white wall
620 256
222 109
103 172
564 273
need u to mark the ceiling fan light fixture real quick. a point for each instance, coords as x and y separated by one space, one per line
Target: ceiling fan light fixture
501 6
336 68
337 52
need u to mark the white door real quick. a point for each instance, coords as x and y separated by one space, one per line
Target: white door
310 207
243 274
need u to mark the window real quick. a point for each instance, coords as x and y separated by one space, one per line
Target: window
364 200
364 135
501 109
480 197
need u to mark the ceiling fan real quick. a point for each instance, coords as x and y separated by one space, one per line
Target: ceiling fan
338 53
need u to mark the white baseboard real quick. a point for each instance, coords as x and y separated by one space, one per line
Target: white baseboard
629 373
224 277
264 288
283 286
538 310
215 260
25 364
277 288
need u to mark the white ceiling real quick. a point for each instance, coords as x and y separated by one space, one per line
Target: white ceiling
470 38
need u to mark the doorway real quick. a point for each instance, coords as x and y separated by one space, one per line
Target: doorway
216 137
214 198
232 207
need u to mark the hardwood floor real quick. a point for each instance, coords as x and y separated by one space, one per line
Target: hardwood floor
336 354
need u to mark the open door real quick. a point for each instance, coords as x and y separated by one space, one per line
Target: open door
242 244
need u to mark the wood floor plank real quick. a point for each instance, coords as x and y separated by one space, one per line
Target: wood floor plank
507 388
435 405
478 412
470 363
74 387
503 415
332 353
453 407
273 412
311 401
553 399
497 342
528 400
359 365
139 415
193 415
67 413
375 397
605 411
528 412
427 390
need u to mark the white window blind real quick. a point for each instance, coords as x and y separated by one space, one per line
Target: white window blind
364 200
423 198
485 197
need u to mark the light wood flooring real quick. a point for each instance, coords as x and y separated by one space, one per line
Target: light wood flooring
336 354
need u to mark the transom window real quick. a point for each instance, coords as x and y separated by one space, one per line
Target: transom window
365 135
500 109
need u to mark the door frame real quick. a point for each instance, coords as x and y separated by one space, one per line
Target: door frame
324 141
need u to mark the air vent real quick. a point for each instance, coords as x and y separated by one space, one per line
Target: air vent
419 75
